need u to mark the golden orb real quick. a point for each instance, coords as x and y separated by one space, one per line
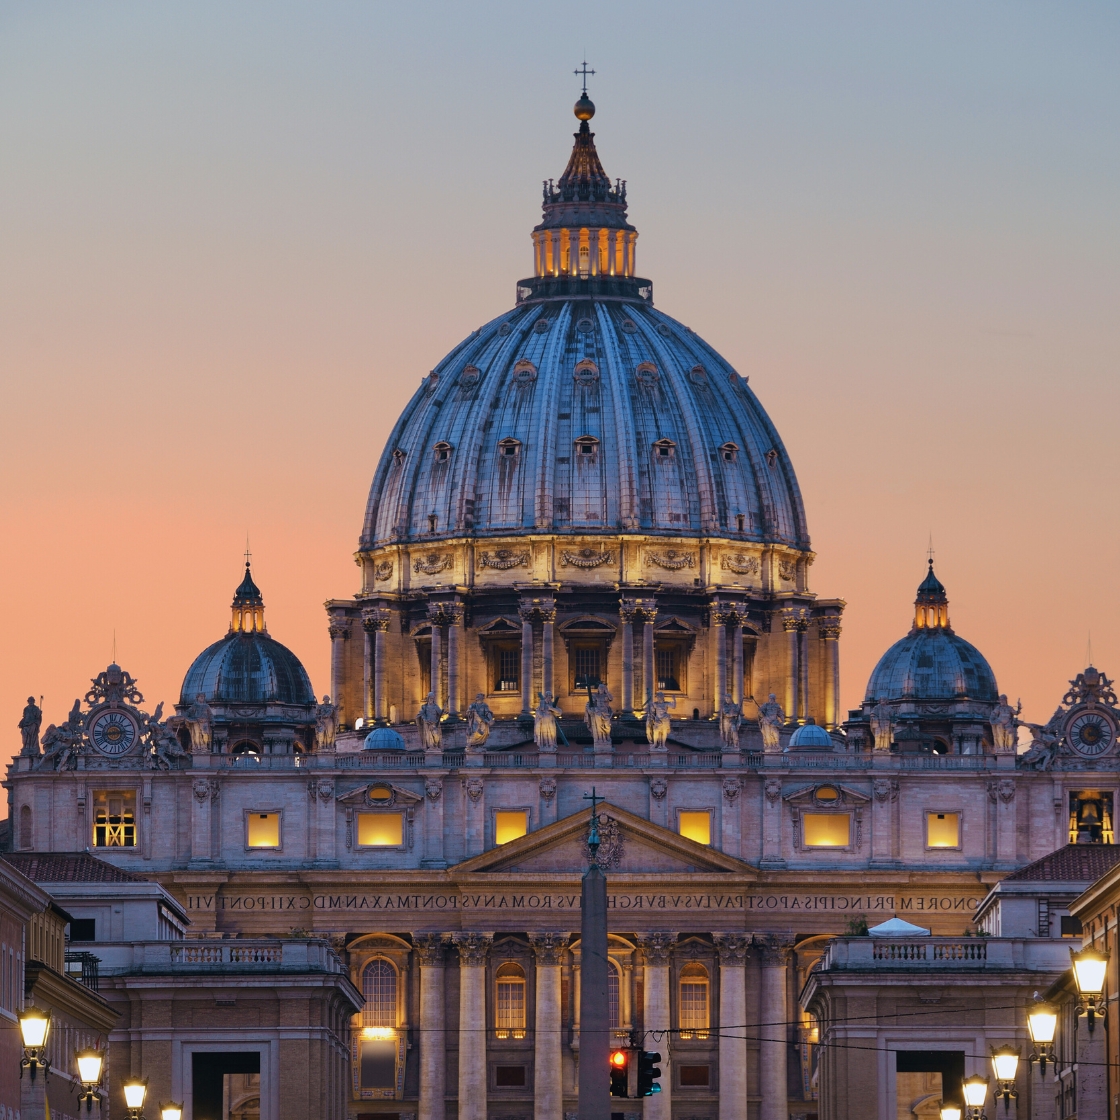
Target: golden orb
585 108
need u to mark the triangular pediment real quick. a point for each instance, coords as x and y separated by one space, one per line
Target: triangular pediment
631 846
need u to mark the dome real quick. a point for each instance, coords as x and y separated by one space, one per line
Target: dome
383 739
811 736
931 662
248 669
584 409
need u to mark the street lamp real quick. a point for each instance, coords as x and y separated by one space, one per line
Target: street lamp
89 1074
1042 1022
1089 968
135 1090
34 1026
975 1094
950 1111
171 1111
1005 1064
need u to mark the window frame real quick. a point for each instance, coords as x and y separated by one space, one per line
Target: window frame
247 813
399 813
959 814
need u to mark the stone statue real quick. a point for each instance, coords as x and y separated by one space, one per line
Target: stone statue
882 726
730 717
1005 725
658 721
326 725
597 714
544 723
428 720
200 724
1043 750
771 717
479 721
29 727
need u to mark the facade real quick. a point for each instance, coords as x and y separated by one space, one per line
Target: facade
585 566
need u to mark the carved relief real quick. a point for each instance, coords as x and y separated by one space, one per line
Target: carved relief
671 560
432 563
503 558
740 563
585 558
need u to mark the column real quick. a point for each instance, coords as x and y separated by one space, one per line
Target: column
527 698
548 1050
732 1025
436 618
472 1023
454 639
433 1048
547 612
829 630
380 653
369 658
793 668
772 1049
626 612
737 660
339 631
648 613
657 947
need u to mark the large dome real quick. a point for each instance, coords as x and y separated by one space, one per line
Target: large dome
583 409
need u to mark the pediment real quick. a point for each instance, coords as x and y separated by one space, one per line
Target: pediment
631 846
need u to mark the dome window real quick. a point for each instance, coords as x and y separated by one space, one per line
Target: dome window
509 448
729 452
442 451
664 449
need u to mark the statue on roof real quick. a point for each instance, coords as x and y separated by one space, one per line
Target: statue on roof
29 727
479 720
658 721
428 720
326 725
1005 724
771 717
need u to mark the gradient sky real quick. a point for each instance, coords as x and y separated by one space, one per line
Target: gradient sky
236 236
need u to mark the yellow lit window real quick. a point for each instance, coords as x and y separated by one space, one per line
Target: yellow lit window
827 830
694 1001
380 830
263 830
114 819
510 1001
943 830
509 824
696 826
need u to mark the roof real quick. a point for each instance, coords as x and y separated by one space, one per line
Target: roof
68 867
1084 863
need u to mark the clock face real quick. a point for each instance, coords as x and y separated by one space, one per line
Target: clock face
113 732
1090 734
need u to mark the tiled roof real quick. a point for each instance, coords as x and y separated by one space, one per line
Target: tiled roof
68 867
1084 863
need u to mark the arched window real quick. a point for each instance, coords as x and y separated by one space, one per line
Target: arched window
379 986
25 828
694 1001
510 1001
613 1016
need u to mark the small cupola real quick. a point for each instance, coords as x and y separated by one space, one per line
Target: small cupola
931 607
248 606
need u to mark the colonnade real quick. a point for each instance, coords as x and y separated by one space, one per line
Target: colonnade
549 947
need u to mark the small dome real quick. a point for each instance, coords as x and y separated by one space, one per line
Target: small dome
248 668
811 736
383 739
932 664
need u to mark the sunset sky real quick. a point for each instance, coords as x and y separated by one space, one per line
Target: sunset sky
235 237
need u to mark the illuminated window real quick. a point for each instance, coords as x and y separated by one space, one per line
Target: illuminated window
509 824
510 1001
943 830
380 830
114 819
262 830
694 1001
379 986
696 826
827 830
612 996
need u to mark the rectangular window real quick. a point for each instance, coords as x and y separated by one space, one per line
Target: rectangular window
668 668
379 1064
83 929
943 830
507 669
588 670
696 826
380 830
262 830
695 1077
510 824
509 1077
114 819
827 830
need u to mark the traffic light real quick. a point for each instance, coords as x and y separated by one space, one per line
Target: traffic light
620 1063
648 1073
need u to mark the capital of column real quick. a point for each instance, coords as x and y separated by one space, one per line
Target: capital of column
773 951
472 947
657 947
732 947
549 946
339 628
376 619
431 948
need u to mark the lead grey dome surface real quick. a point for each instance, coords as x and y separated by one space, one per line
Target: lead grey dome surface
249 669
932 664
492 443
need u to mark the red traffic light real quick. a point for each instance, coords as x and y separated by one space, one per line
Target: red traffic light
618 1058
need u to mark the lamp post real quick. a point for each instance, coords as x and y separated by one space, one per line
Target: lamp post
89 1074
1042 1023
1089 969
975 1094
1005 1065
34 1027
135 1090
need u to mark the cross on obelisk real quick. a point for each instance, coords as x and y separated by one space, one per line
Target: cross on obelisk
594 1027
583 73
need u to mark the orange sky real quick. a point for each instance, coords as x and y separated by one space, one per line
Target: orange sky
236 239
